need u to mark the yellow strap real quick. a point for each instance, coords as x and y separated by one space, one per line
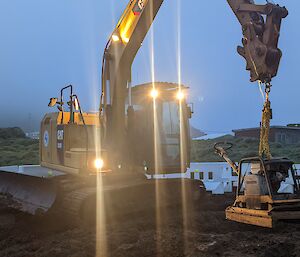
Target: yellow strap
264 147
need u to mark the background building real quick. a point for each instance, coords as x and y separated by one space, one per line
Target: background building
289 134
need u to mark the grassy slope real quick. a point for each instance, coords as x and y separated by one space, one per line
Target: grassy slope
203 150
16 149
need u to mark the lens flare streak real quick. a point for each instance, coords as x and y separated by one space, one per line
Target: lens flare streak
183 143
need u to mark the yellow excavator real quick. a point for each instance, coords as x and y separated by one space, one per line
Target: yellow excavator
139 130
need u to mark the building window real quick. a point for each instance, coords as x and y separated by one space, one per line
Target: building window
210 175
201 175
281 138
192 175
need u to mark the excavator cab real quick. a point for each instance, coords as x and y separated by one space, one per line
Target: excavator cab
158 127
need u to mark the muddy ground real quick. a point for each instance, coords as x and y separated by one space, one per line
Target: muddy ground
206 233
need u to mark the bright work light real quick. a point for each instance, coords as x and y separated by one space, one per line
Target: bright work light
125 39
99 163
115 38
180 95
154 93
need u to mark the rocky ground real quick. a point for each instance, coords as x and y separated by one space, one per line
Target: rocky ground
204 233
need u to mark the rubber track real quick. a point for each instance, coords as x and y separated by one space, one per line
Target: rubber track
73 203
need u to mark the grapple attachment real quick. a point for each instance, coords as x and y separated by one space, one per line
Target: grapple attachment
261 29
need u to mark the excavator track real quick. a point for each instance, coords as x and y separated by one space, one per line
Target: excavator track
75 200
73 203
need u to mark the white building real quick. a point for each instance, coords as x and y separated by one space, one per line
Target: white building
217 177
33 135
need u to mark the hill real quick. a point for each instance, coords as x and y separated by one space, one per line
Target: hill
203 150
6 133
16 149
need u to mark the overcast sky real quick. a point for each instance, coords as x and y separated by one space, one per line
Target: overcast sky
45 45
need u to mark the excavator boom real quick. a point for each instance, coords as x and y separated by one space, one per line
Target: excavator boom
118 57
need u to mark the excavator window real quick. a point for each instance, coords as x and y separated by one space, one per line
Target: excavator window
168 115
164 127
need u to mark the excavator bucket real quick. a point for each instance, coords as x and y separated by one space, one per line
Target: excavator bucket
31 189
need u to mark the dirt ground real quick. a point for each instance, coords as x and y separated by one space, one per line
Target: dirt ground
204 233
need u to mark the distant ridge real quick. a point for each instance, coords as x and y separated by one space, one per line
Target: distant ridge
15 132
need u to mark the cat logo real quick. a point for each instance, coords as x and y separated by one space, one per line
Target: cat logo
138 7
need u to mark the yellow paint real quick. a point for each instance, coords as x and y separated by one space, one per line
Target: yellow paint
128 22
89 118
115 38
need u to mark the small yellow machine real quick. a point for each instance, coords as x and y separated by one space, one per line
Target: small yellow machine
260 199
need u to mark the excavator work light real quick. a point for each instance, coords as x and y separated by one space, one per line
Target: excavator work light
154 93
53 101
180 95
125 39
115 38
99 163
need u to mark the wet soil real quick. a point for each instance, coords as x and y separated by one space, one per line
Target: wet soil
202 231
